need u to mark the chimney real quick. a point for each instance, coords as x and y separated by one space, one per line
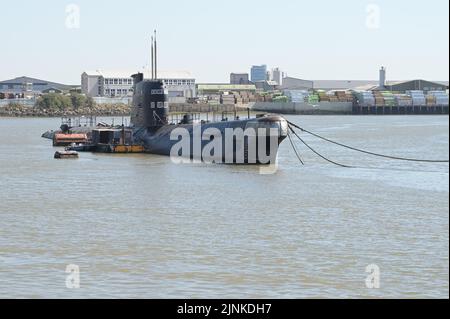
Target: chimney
382 77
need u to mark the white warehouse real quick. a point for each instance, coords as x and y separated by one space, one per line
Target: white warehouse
180 84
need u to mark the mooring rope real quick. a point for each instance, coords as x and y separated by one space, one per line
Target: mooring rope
295 149
317 153
367 152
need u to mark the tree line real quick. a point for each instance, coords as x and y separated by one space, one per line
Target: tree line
55 101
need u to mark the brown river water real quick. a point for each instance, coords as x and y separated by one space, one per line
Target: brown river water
139 226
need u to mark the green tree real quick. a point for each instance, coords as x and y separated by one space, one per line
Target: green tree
54 101
78 101
90 103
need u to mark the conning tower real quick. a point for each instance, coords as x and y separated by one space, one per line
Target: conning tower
150 98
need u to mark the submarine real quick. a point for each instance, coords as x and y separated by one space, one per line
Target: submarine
237 141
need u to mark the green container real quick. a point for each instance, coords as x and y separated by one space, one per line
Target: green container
313 99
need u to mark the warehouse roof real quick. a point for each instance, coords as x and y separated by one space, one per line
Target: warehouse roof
360 84
390 83
226 87
342 84
25 79
417 84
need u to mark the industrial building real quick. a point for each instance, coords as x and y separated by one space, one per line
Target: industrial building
381 85
259 73
180 84
266 86
363 85
239 78
277 76
413 85
329 85
405 86
29 87
290 83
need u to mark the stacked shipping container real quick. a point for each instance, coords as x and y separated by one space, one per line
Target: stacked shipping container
418 98
365 98
403 100
440 98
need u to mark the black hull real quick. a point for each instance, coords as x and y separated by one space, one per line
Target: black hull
163 140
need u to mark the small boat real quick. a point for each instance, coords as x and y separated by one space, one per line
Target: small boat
66 139
66 155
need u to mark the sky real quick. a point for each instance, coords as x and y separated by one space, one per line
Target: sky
314 40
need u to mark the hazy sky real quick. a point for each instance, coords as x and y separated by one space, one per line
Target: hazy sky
320 39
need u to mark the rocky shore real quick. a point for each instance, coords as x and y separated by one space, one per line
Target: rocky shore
17 110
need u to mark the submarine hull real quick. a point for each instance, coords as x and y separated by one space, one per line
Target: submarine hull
258 145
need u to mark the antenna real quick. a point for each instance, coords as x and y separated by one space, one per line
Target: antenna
156 58
153 58
154 67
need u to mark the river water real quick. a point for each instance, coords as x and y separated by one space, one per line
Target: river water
139 226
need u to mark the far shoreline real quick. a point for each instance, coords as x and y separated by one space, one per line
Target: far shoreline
9 116
100 110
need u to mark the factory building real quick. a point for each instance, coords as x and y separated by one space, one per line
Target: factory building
266 86
277 76
28 87
394 86
259 73
181 84
329 85
239 78
404 86
382 84
290 83
414 85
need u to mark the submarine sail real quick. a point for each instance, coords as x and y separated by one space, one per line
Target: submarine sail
150 98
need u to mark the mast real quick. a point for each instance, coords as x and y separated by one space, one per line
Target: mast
156 58
152 67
